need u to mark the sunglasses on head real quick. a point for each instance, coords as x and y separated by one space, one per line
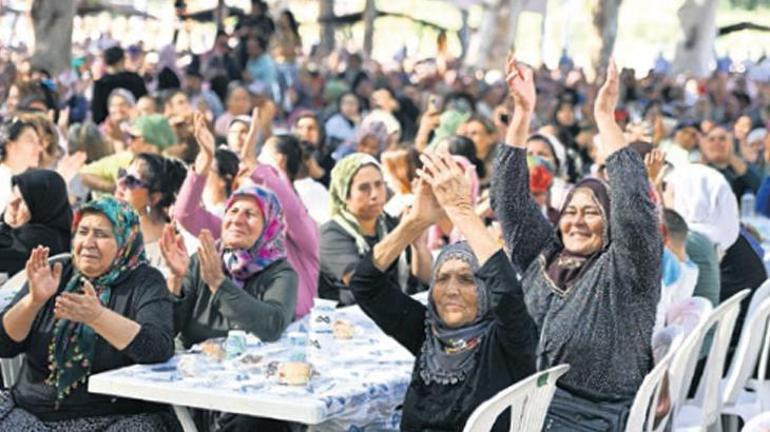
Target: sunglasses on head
131 181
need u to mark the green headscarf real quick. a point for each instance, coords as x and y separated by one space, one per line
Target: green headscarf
341 178
155 129
72 347
450 121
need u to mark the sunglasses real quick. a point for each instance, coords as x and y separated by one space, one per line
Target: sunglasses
131 181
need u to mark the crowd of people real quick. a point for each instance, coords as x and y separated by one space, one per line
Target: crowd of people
552 220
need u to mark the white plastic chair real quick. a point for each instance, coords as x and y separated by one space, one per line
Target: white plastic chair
759 423
702 412
528 401
642 414
753 346
10 367
692 316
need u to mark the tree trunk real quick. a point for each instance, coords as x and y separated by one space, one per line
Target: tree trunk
370 13
605 30
695 52
326 18
497 33
52 22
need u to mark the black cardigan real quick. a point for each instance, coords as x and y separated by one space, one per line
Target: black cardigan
142 297
505 356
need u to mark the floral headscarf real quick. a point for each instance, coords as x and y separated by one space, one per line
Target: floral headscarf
72 347
448 353
241 264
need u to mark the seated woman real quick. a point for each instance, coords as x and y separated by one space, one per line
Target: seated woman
244 282
102 309
38 215
592 286
358 222
475 338
150 185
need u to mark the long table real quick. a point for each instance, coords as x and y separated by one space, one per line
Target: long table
359 383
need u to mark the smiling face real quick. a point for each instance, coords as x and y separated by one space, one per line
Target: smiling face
94 245
366 196
16 212
242 224
454 294
582 224
119 109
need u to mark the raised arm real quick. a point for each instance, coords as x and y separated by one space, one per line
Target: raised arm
636 241
526 231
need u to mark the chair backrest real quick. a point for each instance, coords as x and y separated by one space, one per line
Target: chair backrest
723 321
528 401
642 414
760 294
759 423
695 313
753 340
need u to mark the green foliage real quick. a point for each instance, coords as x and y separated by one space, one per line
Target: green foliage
750 4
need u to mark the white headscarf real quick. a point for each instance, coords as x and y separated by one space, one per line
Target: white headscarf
703 197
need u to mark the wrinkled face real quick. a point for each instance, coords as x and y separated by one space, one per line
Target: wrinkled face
236 136
366 196
239 102
95 245
582 225
307 130
119 109
349 106
477 133
179 105
133 186
540 148
26 148
716 146
454 294
16 212
242 224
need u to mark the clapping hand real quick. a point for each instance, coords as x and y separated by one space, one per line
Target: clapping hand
450 183
210 261
174 251
521 84
203 135
84 308
43 280
425 209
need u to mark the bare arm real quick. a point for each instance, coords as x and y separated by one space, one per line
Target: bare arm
97 183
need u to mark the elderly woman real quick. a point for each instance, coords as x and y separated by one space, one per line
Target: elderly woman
592 286
102 309
38 215
475 337
243 282
718 151
358 222
20 149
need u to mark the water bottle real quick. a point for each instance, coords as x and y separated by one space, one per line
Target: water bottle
748 205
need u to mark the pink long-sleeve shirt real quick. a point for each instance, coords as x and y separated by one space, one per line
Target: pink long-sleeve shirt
302 235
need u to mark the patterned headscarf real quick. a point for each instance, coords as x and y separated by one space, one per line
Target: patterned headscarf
242 264
448 353
341 179
72 347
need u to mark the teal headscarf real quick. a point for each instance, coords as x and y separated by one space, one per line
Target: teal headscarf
72 347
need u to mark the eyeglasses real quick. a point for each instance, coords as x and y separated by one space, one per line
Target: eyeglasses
131 181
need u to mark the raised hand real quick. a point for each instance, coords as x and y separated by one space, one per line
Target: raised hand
174 251
43 279
607 98
654 161
450 183
85 308
203 135
426 208
521 84
210 262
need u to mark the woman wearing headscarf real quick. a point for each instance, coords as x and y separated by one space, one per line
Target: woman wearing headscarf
592 286
243 281
358 222
38 215
475 337
103 308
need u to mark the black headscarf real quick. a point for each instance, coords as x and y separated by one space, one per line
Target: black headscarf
45 194
563 266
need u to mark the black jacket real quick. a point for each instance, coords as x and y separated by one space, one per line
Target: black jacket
104 86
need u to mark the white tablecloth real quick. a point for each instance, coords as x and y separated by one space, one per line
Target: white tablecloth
358 384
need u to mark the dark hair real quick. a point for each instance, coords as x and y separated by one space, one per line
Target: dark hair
227 167
489 128
170 93
88 138
165 176
37 91
11 130
292 22
463 146
114 55
641 147
290 147
676 226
